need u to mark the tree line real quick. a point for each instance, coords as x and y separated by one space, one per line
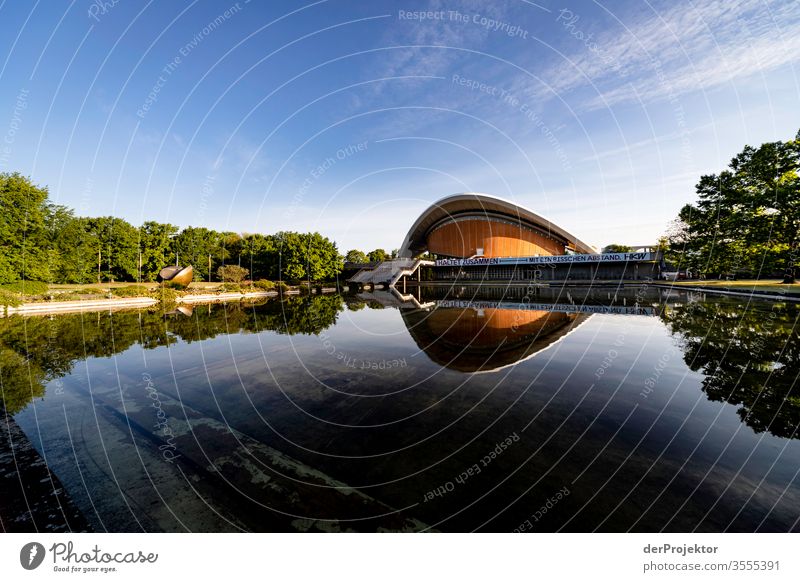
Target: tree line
47 242
378 255
746 219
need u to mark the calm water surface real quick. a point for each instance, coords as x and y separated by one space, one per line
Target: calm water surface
508 410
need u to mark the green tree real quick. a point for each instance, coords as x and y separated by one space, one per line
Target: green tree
231 247
73 259
355 256
747 217
378 255
257 251
232 273
322 258
194 245
116 243
23 234
289 249
298 256
155 243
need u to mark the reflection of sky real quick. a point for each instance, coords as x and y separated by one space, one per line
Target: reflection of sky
605 136
416 424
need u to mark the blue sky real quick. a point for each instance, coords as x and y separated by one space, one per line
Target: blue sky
352 117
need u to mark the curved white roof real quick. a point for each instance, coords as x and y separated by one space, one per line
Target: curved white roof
471 202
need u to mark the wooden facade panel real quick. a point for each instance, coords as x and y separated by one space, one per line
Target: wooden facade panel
498 239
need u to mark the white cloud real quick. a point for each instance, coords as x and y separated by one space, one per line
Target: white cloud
662 54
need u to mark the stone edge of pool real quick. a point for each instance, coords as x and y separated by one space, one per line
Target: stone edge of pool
80 305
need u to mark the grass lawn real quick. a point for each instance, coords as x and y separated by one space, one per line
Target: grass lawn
773 285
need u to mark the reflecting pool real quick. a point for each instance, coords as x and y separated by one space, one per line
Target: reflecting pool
447 409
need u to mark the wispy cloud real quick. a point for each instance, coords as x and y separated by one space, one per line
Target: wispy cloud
437 33
658 54
430 49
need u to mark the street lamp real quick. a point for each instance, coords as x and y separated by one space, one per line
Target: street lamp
176 247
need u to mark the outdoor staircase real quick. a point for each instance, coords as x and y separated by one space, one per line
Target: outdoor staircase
387 272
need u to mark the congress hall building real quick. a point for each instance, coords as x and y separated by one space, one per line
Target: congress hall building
473 238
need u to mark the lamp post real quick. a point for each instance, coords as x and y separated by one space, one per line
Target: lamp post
110 276
172 236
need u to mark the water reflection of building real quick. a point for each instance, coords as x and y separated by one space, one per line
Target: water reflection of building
483 339
486 328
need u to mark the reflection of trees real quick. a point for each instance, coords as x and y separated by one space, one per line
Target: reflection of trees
310 314
36 350
354 304
748 354
19 383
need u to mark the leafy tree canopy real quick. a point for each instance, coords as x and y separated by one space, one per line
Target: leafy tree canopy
746 218
232 273
378 255
355 256
46 242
